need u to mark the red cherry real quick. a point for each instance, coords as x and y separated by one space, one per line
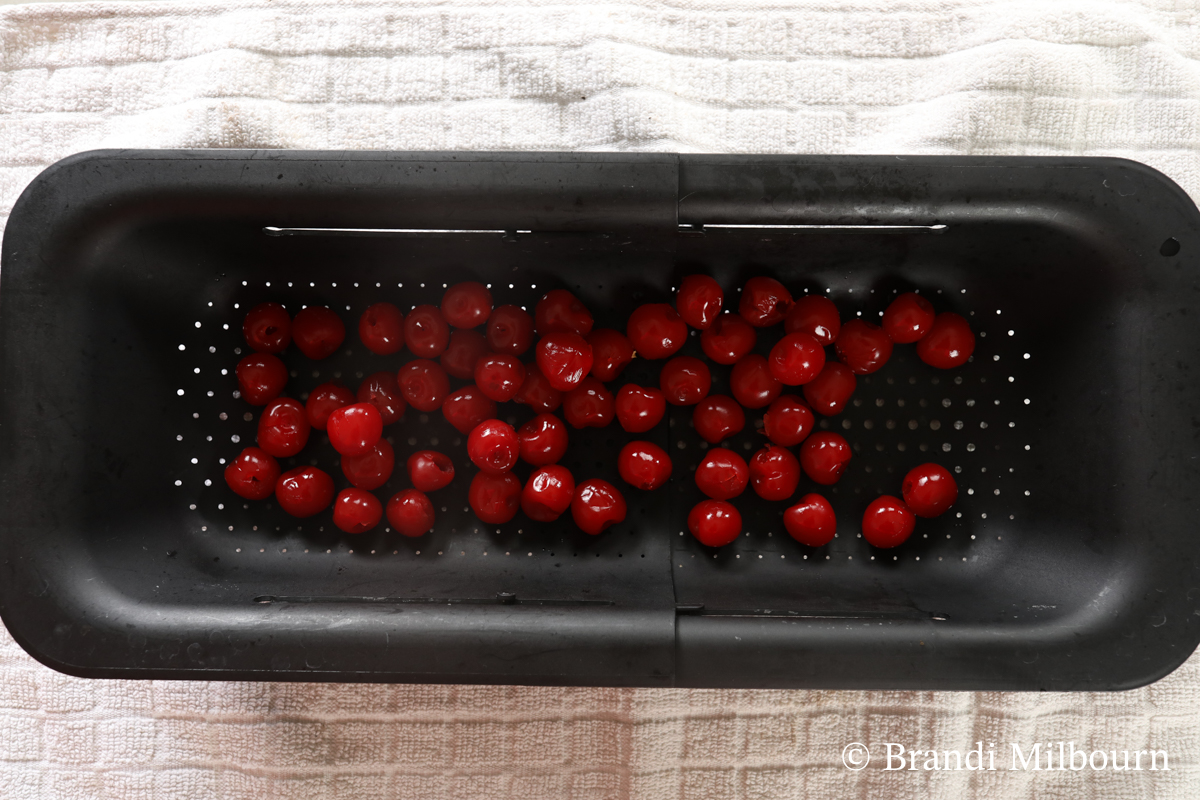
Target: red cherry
788 421
536 391
723 474
656 330
467 407
548 493
639 409
324 400
887 522
908 318
863 347
824 456
796 359
811 521
715 523
495 499
267 328
252 474
356 511
644 465
728 339
493 446
543 440
815 315
355 430
261 378
467 305
499 377
381 329
424 384
765 302
774 473
752 383
510 330
559 310
430 470
718 417
426 331
463 353
829 392
304 491
685 381
611 353
283 428
318 332
949 342
929 490
564 358
699 300
410 512
597 505
589 405
383 391
373 468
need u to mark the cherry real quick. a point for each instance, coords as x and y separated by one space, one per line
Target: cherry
536 391
908 318
929 490
815 315
752 383
463 353
373 468
318 332
887 522
467 407
356 511
493 446
824 456
597 505
589 405
510 330
499 377
559 310
949 342
564 358
252 474
765 302
714 523
718 417
410 512
304 491
611 353
426 331
796 359
283 428
788 421
381 329
863 347
774 473
728 339
261 378
467 304
267 328
685 381
548 493
429 470
829 392
424 384
324 400
543 440
644 465
381 390
495 499
656 330
699 300
355 430
639 409
723 474
811 521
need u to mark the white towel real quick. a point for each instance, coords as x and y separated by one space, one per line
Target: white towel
1076 77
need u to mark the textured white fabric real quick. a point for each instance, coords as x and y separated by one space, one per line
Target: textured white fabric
917 77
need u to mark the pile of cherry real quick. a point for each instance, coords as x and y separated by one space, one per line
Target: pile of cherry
572 362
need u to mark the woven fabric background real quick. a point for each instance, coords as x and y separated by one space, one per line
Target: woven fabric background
1077 77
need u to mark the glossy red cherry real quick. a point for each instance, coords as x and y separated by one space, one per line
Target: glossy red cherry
536 391
811 521
718 417
728 339
304 491
318 332
796 359
510 330
559 310
611 353
829 392
429 470
424 384
495 499
493 446
774 473
283 428
908 318
267 328
548 493
715 523
252 474
468 407
685 381
564 358
426 331
324 400
381 390
815 315
656 330
723 474
356 511
824 457
699 300
589 405
597 505
929 490
638 408
373 468
355 430
499 376
949 342
261 378
764 302
410 512
887 522
543 440
381 329
863 347
467 304
463 353
752 383
644 465
788 421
